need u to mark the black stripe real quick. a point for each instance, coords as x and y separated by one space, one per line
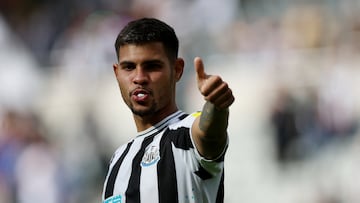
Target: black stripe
183 116
181 138
109 191
167 182
133 191
220 193
203 174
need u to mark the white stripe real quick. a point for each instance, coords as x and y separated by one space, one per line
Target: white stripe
122 179
184 173
192 189
149 177
117 155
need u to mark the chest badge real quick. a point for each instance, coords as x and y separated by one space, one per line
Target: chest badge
151 156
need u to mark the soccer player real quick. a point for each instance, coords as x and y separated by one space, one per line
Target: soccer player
174 156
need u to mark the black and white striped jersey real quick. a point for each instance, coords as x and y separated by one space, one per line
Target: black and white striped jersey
162 165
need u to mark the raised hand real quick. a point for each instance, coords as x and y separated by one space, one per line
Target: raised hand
212 87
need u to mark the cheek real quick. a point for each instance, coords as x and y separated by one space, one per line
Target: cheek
123 88
125 95
123 91
166 88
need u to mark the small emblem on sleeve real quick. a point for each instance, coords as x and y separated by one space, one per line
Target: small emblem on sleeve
151 156
114 199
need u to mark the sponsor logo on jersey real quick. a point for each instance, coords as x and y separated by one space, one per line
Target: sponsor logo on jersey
151 156
114 199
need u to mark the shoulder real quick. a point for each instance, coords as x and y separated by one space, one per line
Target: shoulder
184 121
178 133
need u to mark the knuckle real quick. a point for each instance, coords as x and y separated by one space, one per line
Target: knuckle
231 100
225 85
217 76
216 79
204 91
230 92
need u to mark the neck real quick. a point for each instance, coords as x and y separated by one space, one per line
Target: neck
144 122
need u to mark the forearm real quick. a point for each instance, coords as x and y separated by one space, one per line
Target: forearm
213 122
209 131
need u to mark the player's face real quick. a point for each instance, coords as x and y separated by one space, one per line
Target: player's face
147 79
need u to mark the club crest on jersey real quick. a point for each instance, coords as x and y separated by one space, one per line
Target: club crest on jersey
151 156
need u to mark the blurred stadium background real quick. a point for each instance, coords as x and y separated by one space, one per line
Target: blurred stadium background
293 67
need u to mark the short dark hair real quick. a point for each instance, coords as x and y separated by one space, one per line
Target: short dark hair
146 30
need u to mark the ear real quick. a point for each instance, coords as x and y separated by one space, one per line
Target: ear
116 69
179 68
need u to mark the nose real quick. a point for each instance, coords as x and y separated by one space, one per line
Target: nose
141 76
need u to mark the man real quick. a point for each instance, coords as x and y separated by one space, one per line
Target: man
174 157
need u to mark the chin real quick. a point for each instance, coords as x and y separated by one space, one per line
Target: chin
143 112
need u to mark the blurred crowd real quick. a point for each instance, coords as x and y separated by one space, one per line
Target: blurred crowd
294 62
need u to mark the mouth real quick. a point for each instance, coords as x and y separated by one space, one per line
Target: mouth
140 95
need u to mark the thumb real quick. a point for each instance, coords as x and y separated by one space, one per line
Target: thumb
199 68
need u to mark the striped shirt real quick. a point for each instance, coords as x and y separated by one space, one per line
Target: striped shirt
162 165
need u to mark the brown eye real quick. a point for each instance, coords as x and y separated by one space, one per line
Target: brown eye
128 67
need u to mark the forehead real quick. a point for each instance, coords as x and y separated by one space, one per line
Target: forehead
141 52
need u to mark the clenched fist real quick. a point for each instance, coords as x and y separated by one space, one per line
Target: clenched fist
212 87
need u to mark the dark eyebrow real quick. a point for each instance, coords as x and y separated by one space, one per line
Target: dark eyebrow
124 63
148 62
